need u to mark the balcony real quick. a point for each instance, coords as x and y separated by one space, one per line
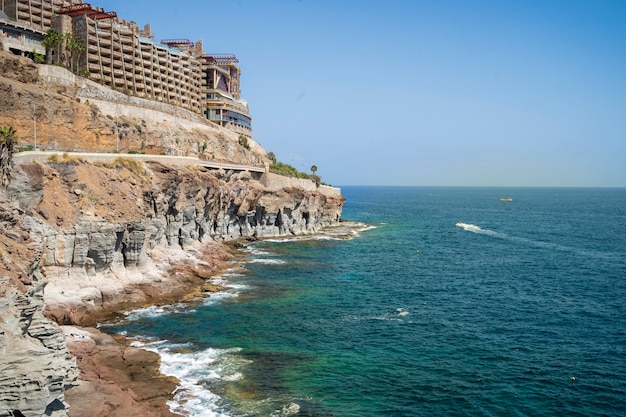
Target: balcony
93 67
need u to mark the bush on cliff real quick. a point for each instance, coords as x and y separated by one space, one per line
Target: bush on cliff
7 143
65 159
287 170
134 166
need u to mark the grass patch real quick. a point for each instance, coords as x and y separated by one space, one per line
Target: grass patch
65 159
136 167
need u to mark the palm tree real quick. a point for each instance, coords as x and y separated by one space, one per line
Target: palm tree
7 143
316 178
73 49
51 42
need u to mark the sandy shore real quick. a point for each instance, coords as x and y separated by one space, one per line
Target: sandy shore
117 379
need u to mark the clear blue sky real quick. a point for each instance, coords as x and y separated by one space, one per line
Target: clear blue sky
432 92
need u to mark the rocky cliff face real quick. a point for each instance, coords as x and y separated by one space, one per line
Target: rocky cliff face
92 228
35 364
105 232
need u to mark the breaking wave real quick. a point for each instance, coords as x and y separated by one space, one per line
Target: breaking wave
197 372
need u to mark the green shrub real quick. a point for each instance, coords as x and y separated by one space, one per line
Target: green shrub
243 141
287 170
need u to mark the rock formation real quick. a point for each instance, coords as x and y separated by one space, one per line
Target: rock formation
35 364
90 228
100 230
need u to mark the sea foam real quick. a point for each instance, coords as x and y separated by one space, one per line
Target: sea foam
156 311
196 371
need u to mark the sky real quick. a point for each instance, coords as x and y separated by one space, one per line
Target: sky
423 92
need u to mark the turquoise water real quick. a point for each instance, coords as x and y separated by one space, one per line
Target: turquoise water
519 310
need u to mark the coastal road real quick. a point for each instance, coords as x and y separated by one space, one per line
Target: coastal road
43 156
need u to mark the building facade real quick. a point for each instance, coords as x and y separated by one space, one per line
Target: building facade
37 13
124 57
120 55
20 38
220 82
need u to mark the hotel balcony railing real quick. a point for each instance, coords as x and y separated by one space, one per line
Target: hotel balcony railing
228 105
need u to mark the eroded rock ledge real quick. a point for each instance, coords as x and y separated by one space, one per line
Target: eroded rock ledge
100 238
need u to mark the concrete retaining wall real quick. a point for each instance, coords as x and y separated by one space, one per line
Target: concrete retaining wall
58 75
275 181
115 104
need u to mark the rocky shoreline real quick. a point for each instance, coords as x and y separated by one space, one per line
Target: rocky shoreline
82 242
122 380
117 379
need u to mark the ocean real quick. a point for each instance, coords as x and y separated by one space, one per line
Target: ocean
450 302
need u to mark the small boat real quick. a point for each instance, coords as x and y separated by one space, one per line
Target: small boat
506 200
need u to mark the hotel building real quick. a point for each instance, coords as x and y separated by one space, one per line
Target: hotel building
126 58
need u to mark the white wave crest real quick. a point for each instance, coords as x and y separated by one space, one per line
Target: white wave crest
155 311
196 371
266 261
475 229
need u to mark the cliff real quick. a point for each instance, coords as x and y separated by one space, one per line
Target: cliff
82 240
66 112
35 364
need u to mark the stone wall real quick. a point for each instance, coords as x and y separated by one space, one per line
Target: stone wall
276 181
116 104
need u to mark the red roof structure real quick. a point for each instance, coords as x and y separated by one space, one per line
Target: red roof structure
87 10
220 58
178 43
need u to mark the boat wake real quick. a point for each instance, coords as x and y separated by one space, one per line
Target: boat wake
537 243
475 229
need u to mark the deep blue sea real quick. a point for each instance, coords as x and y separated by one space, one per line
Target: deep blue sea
452 303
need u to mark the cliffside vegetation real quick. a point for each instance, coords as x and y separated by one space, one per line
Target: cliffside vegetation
287 170
66 49
7 144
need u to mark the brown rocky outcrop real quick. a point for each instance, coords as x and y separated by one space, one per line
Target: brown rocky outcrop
84 115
